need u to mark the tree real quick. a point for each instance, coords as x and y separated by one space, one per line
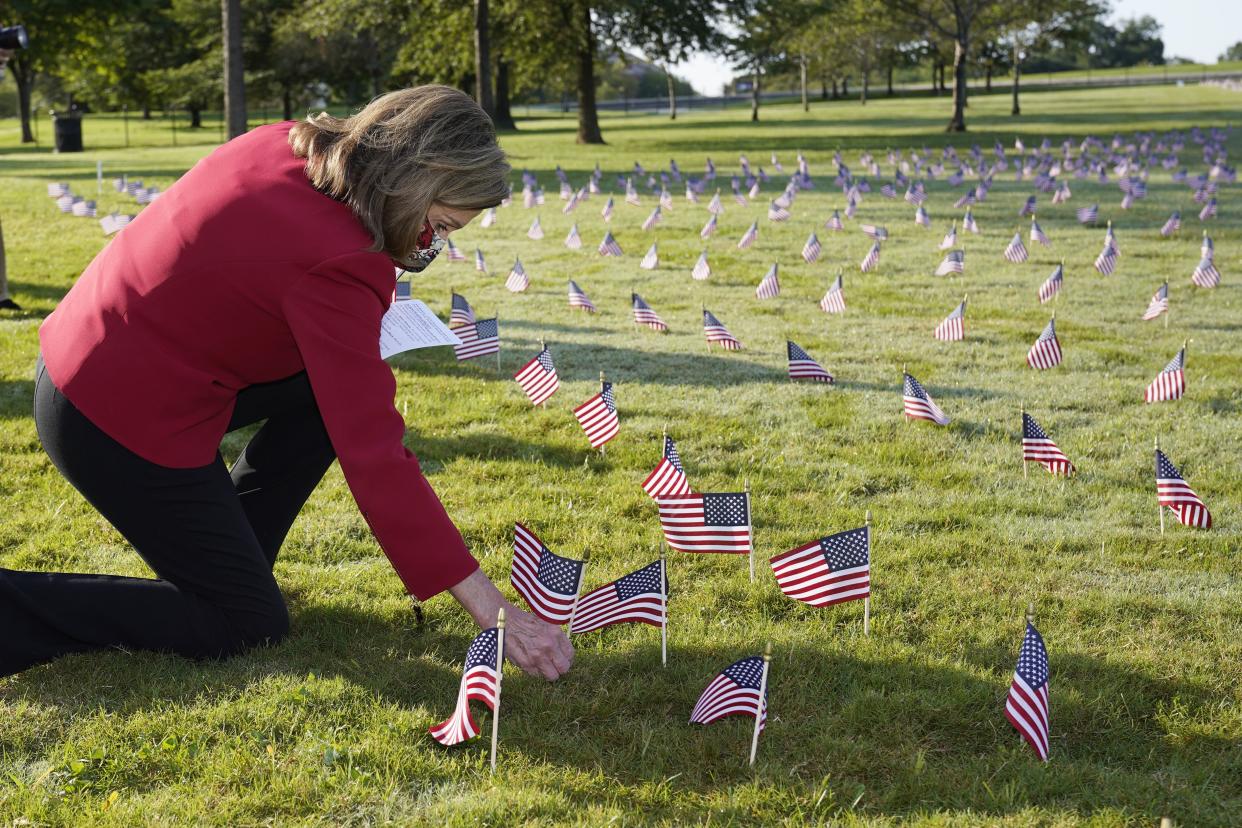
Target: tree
234 77
765 31
1234 52
667 31
483 59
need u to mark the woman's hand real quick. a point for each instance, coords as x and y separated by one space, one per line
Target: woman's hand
534 645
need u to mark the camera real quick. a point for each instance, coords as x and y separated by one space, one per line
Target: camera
13 37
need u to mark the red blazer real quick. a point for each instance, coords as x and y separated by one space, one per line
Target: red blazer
242 273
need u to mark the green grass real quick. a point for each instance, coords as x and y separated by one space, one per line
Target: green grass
904 726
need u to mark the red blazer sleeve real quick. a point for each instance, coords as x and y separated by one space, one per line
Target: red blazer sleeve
335 320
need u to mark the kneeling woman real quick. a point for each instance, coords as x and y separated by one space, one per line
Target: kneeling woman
253 290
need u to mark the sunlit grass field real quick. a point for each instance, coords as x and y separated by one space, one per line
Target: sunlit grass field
904 726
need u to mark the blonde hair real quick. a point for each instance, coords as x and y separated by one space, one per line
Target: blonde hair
400 154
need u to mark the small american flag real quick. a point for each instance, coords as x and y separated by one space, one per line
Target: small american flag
811 250
578 298
113 222
921 217
714 206
748 238
653 219
834 299
1089 215
479 264
517 281
1038 234
691 195
1206 275
639 597
478 683
1172 491
735 692
1039 448
770 285
1207 249
1028 209
631 193
608 246
538 378
598 416
1106 262
1046 352
888 190
875 231
1172 225
709 229
717 332
954 262
489 218
851 207
477 339
871 259
952 329
461 313
1052 285
777 213
652 260
706 522
834 221
548 582
536 231
915 195
1169 384
668 477
1208 211
453 252
702 269
574 240
1026 706
1159 303
802 367
827 571
84 209
644 315
968 222
950 238
919 405
1016 251
607 210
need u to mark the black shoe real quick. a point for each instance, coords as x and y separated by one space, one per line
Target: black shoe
9 304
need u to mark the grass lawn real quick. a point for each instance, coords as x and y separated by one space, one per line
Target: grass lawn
903 726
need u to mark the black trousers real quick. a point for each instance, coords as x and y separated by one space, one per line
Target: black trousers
211 535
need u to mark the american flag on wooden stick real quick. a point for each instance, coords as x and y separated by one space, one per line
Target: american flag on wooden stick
1038 235
1039 448
1205 274
950 238
918 404
802 367
834 299
653 219
608 246
734 692
574 240
1026 706
517 280
871 259
770 286
1173 224
461 313
598 416
578 298
707 522
1052 285
748 238
777 213
644 315
875 231
1172 491
479 264
1089 215
1169 384
607 210
548 582
714 206
1046 352
834 221
811 250
827 571
952 329
538 378
536 231
709 229
715 331
954 262
702 269
477 339
478 683
668 477
638 597
652 258
1106 262
1159 303
921 218
968 222
489 218
1015 251
453 252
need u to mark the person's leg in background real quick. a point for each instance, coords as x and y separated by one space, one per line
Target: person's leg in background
6 302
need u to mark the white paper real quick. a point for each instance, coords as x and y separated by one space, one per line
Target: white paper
410 324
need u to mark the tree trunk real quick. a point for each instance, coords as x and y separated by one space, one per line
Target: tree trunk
672 93
196 117
989 77
835 92
845 87
588 117
146 110
504 113
806 103
483 59
890 80
958 122
823 88
866 83
754 95
935 69
234 79
286 103
24 77
1017 72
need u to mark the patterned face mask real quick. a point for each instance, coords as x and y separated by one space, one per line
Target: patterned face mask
430 244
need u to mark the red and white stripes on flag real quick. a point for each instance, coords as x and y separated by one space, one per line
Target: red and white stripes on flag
707 522
1038 235
479 265
637 597
653 219
921 218
1172 491
811 250
834 221
461 313
548 582
735 691
834 299
777 213
715 331
802 367
1159 303
538 378
1169 384
645 315
714 207
709 229
668 477
478 683
578 298
536 231
598 416
702 270
748 238
477 339
950 238
574 240
652 260
827 571
1046 352
917 404
871 259
954 262
517 280
608 246
952 329
1026 706
1052 285
1205 274
770 286
1038 447
1015 251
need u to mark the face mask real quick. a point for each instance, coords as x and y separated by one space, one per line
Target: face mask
429 246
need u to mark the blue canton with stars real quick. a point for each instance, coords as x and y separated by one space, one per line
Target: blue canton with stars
645 580
846 550
725 510
1033 659
746 673
1177 364
795 352
670 451
914 389
487 329
1031 429
609 398
545 360
482 652
1165 470
558 574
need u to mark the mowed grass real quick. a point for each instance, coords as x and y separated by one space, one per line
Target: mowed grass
903 726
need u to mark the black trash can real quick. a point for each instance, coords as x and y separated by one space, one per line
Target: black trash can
67 130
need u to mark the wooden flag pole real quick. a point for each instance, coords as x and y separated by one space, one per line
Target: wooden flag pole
1165 822
542 347
759 706
904 415
500 666
1166 306
750 532
1030 613
663 607
1056 295
603 448
1159 508
1024 472
573 610
867 597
